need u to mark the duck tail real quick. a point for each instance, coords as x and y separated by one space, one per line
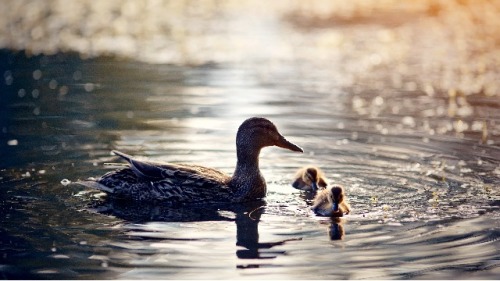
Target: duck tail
95 185
123 155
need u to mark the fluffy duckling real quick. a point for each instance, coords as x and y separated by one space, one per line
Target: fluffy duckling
309 179
186 183
331 202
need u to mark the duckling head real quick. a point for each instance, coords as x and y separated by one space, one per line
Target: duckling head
310 177
257 132
336 197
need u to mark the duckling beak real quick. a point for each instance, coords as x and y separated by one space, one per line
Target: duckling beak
335 207
282 142
314 186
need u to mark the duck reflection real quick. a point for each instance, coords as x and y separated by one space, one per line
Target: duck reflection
245 215
247 235
141 213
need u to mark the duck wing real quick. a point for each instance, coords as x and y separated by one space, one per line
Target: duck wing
143 169
177 183
179 188
187 185
152 171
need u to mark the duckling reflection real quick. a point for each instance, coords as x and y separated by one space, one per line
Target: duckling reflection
336 229
330 202
309 179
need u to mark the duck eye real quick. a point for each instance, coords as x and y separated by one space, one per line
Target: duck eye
275 136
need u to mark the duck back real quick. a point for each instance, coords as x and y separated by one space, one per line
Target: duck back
182 186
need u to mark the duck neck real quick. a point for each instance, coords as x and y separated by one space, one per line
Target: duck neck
247 181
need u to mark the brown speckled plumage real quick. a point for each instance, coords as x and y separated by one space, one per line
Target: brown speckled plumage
182 183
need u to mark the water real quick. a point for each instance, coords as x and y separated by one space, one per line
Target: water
413 138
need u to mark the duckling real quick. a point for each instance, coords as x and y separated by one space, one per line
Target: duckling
183 183
331 202
310 179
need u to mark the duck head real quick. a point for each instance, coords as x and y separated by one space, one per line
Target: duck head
256 133
336 197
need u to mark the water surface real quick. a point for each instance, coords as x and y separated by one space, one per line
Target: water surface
412 134
424 205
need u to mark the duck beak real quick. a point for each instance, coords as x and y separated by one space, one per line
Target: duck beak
282 142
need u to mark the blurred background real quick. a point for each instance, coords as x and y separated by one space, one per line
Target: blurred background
447 48
398 100
445 44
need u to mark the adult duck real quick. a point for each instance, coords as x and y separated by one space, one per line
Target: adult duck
185 184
